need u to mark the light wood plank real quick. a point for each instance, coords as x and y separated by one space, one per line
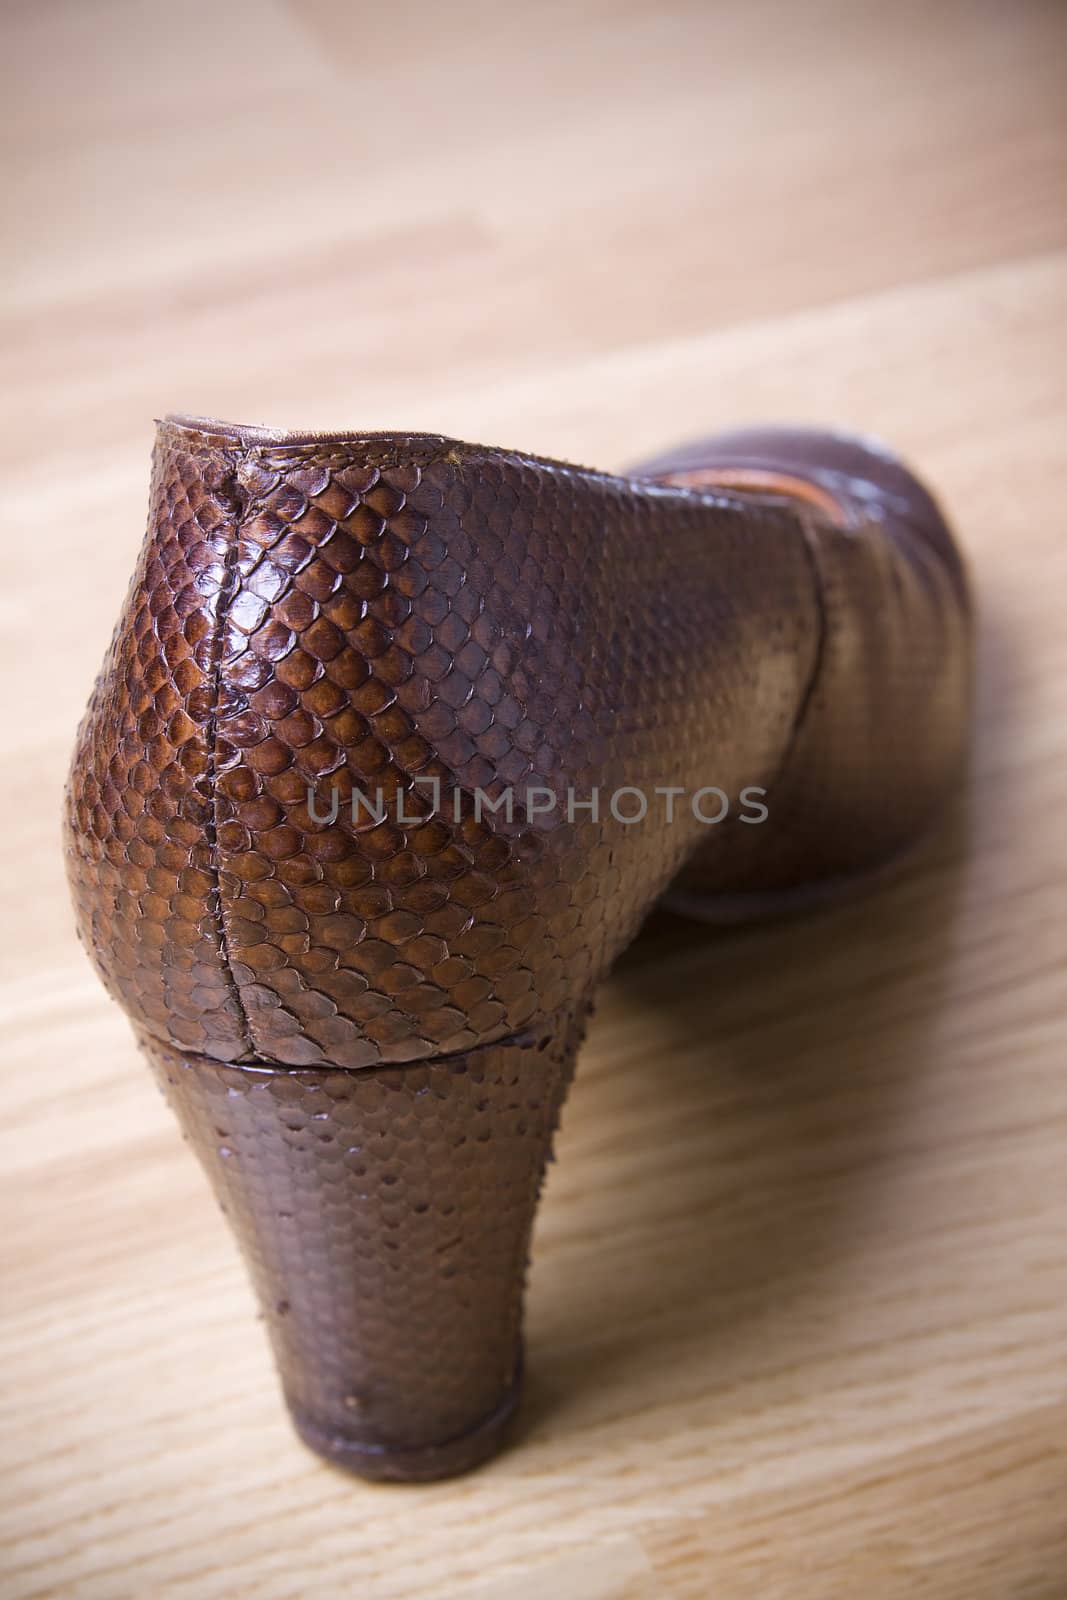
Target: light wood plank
799 1303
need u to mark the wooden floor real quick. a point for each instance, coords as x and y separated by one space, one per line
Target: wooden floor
798 1315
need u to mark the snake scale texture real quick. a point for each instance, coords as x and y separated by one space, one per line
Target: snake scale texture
359 969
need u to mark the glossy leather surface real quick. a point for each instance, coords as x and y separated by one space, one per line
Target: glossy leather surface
782 613
385 1220
375 610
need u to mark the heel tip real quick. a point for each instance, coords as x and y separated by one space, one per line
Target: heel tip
381 1463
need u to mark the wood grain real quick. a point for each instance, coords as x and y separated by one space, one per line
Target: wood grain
806 1335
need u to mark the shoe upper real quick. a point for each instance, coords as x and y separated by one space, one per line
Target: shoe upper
485 649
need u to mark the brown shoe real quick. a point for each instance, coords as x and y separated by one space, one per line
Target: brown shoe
397 741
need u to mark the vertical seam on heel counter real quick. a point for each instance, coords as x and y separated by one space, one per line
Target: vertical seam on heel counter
227 591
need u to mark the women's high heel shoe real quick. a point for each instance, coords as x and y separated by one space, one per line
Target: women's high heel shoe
396 743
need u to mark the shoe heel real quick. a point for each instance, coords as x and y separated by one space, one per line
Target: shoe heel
385 1217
